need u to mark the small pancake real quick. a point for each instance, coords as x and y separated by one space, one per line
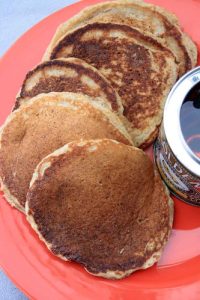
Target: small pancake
100 203
143 78
148 18
69 75
44 124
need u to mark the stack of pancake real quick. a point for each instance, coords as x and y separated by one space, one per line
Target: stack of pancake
69 154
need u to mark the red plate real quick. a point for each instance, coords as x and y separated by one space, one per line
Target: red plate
24 257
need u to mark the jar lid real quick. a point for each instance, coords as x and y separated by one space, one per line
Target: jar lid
172 125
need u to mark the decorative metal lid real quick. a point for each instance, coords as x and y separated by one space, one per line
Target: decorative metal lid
171 121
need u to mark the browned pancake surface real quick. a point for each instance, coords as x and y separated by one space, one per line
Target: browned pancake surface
40 128
72 75
148 18
131 61
100 204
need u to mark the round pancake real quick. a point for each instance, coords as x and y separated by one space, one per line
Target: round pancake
148 18
69 75
101 203
44 124
143 78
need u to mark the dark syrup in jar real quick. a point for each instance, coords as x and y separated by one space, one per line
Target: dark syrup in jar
190 119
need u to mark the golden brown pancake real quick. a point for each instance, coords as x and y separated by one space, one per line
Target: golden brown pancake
148 18
69 75
44 124
140 69
101 203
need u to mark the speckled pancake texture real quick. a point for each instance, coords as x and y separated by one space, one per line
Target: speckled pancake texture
69 75
150 19
46 123
132 63
101 203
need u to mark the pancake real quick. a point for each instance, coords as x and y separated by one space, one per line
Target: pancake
138 78
44 124
69 75
148 18
100 203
